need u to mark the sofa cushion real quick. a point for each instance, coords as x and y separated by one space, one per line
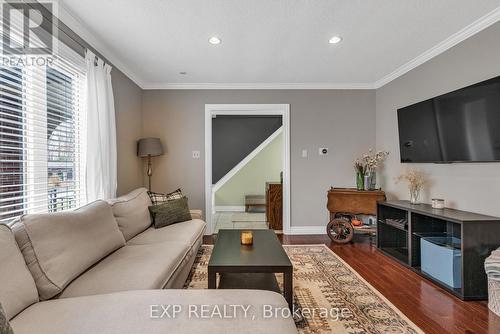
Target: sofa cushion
130 313
17 287
133 267
196 214
159 198
4 323
187 232
60 246
170 212
131 212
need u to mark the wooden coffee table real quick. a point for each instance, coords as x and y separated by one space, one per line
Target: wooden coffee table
250 267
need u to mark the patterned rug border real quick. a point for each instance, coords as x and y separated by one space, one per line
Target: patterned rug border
378 293
391 305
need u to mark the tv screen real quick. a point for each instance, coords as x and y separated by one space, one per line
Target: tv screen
461 126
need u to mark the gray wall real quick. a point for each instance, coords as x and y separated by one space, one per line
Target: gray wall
474 186
235 137
342 120
128 110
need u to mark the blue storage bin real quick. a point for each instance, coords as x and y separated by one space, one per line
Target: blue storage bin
441 259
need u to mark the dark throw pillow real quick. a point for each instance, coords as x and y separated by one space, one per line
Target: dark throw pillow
159 198
170 212
4 323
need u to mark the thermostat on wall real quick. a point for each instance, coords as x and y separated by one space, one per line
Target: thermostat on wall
323 151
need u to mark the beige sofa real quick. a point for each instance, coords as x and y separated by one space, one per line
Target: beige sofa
103 269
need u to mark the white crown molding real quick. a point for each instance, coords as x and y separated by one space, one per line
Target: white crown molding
260 85
470 30
75 24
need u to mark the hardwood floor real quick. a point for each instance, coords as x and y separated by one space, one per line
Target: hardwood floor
431 308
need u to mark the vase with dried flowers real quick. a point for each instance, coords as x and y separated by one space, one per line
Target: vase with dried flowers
366 167
360 169
416 181
372 161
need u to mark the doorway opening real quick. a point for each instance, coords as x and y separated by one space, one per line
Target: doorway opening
247 166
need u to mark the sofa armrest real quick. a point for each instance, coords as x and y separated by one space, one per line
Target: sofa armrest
196 214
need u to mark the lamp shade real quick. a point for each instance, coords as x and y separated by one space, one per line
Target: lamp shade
149 146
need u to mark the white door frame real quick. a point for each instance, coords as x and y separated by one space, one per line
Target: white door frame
282 110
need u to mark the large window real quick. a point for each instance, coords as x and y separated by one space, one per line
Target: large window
11 143
63 165
42 135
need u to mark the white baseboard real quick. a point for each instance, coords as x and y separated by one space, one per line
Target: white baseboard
230 208
294 230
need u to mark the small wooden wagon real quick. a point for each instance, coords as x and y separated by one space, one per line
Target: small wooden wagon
344 204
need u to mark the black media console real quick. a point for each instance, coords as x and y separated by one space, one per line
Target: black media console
401 225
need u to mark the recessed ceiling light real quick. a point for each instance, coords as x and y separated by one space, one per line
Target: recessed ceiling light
214 40
335 40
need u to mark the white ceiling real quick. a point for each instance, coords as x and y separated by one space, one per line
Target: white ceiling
273 44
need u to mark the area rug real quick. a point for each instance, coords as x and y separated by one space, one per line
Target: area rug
322 280
248 217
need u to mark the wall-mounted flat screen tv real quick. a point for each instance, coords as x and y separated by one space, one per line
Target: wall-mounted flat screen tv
461 126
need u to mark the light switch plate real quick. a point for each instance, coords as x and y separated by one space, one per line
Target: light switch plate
304 153
323 151
196 154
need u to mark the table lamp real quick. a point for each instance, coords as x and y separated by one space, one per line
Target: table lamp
149 147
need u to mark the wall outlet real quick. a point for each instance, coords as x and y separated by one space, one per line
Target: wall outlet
323 151
304 153
196 154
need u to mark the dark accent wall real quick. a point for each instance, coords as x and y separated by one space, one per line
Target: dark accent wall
235 137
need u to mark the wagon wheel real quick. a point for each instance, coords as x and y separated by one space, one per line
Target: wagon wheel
340 230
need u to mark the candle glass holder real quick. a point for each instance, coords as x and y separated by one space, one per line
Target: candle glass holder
246 238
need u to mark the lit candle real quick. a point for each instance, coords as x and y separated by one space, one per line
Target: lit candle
246 238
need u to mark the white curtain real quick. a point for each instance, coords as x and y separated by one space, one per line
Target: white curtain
101 176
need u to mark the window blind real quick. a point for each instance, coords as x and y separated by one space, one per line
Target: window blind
42 132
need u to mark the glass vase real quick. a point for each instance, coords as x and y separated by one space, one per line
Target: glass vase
415 196
370 180
360 181
373 181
